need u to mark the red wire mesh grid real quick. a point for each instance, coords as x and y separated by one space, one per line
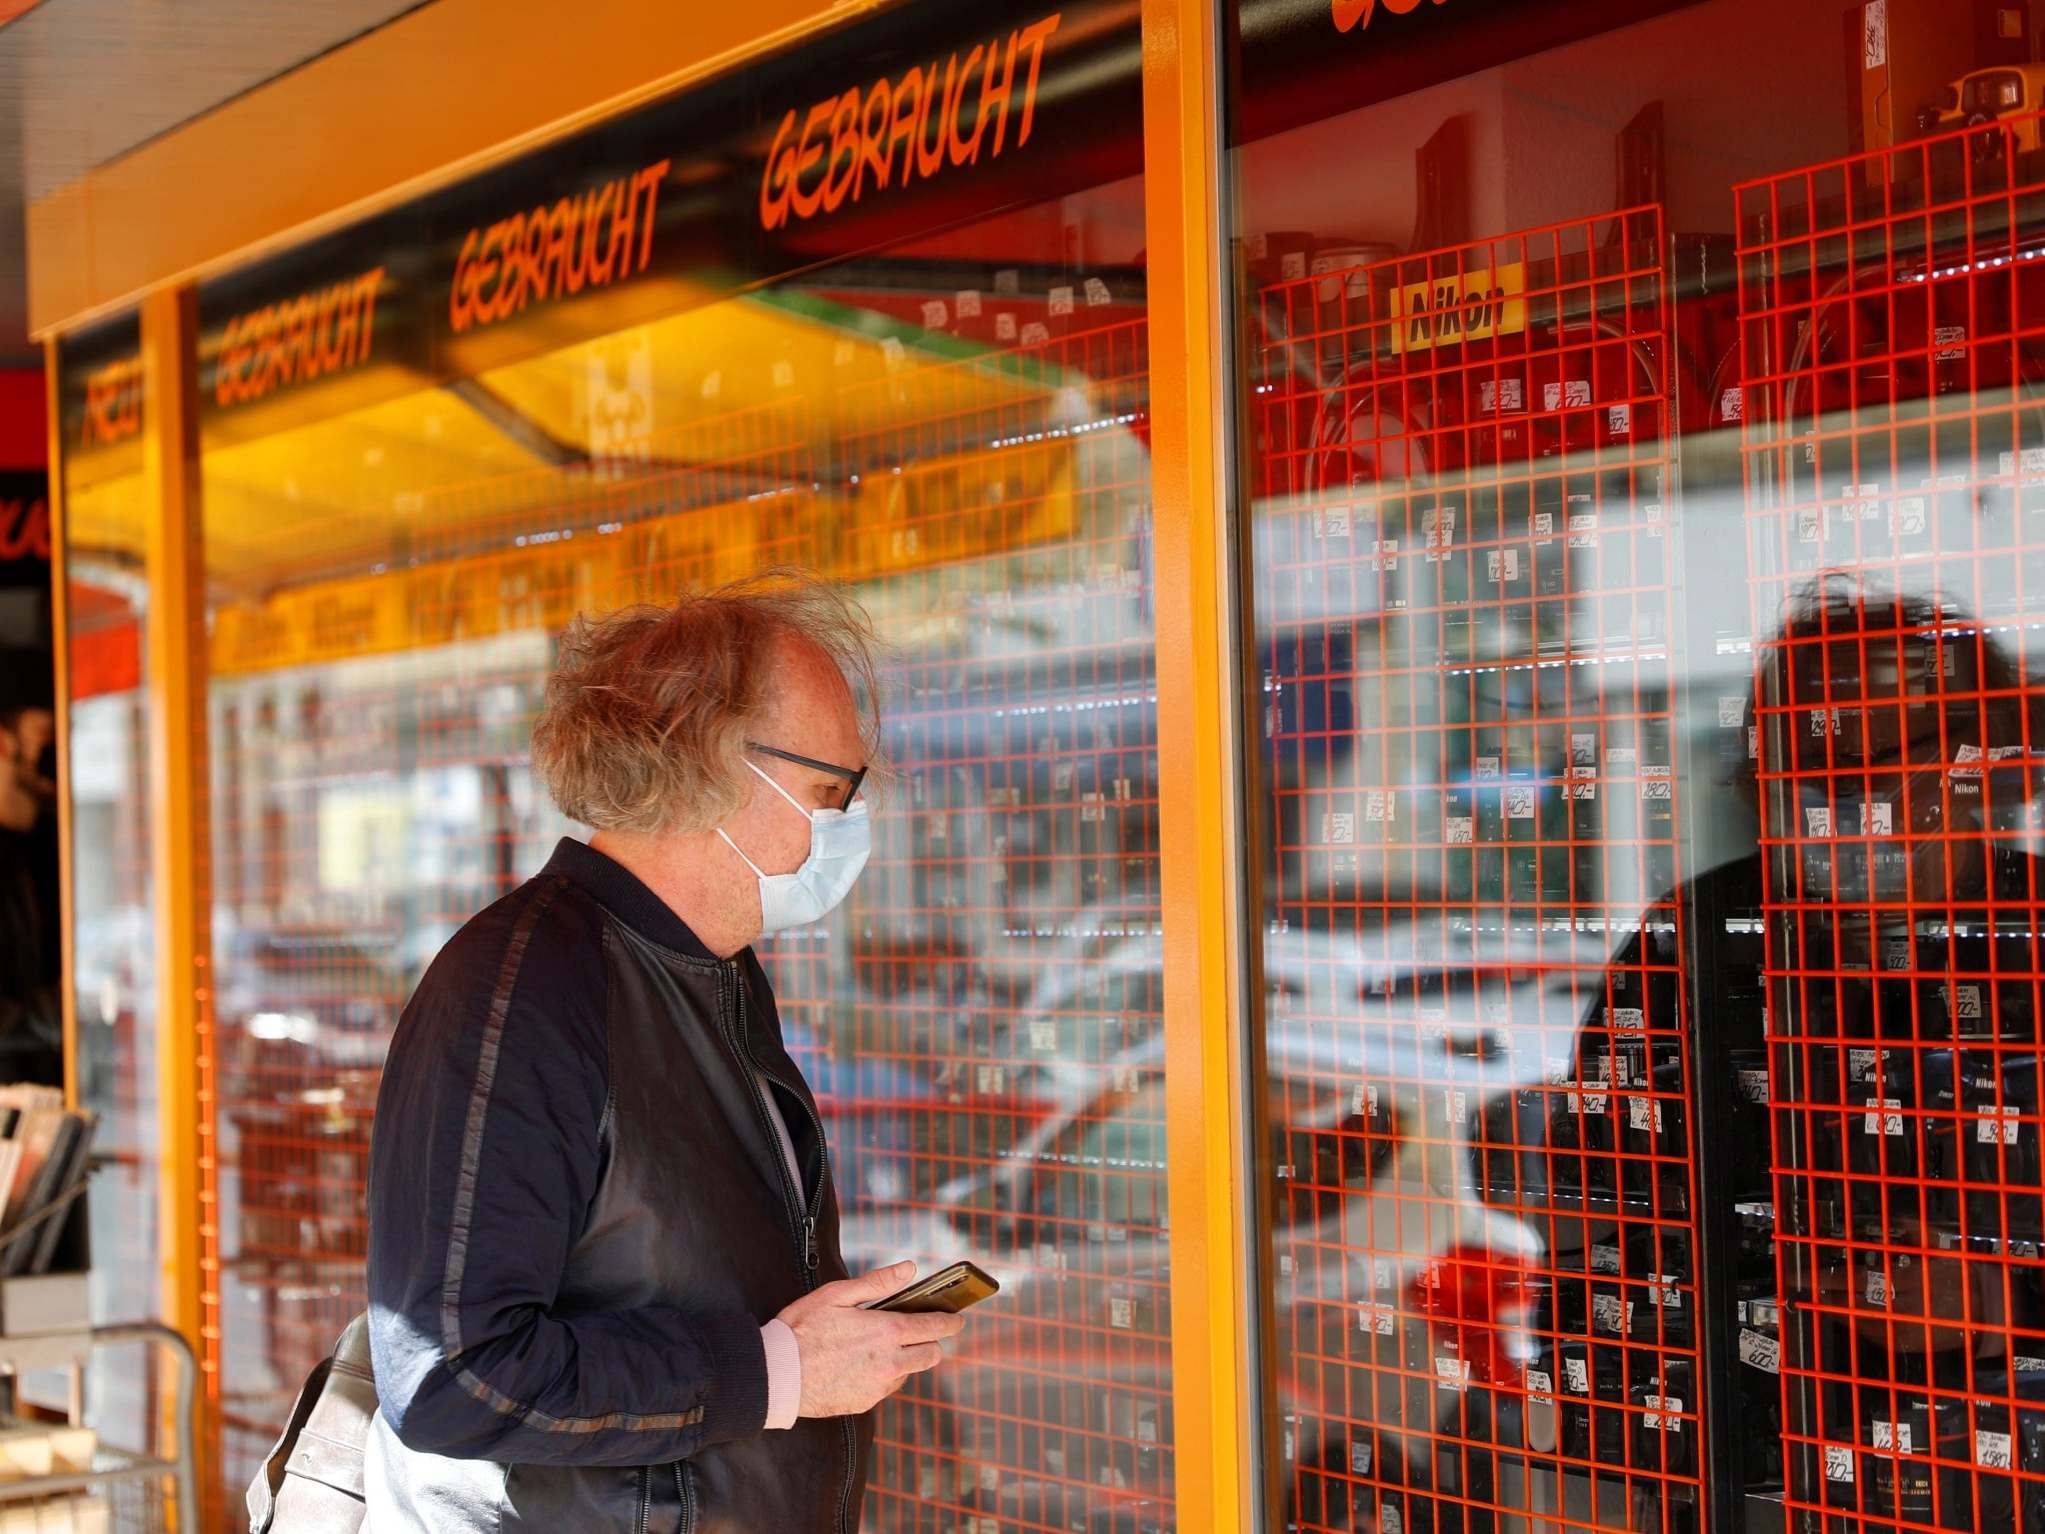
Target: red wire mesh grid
1478 1062
987 1018
1891 311
982 1026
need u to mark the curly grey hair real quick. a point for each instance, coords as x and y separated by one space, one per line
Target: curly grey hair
648 709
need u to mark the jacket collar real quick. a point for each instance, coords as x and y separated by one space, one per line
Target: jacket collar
625 896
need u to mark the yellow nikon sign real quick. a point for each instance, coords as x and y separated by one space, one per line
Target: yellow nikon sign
1459 307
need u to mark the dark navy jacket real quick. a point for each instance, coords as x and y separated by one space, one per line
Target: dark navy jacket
580 1218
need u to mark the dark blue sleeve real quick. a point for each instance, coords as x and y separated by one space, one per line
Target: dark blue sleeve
485 1159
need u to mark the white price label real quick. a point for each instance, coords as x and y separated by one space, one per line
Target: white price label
967 303
1004 326
1486 768
1662 1413
1096 293
1061 301
1519 804
1378 1320
935 315
1881 1117
1991 1450
1462 830
1540 1388
1894 1435
1760 1350
1877 1288
1122 1314
1626 1019
1997 1124
1604 1259
1036 333
1838 1464
1338 828
1452 1373
1359 1457
1576 1375
1381 806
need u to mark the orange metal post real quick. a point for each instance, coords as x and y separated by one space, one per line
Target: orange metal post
1209 940
180 850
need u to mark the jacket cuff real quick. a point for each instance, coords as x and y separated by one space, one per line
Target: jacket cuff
784 1374
736 1404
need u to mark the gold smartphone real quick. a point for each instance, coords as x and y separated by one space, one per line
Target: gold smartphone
949 1290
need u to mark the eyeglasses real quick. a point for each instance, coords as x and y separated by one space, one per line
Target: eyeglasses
853 776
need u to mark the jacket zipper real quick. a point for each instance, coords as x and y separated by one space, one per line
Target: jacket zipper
812 1209
688 1497
645 1497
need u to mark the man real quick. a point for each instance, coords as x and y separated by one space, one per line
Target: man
31 1007
604 1276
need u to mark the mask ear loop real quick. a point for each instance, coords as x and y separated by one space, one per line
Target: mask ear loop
734 846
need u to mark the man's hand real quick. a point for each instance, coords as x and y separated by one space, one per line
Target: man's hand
853 1359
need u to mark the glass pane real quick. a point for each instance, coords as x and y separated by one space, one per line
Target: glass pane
113 961
951 423
1641 419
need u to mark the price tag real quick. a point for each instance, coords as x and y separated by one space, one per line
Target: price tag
1626 1019
1122 1314
1881 1117
1997 1124
935 315
1576 1375
1604 1259
1452 1373
1644 1113
1991 1450
1662 1290
1893 1435
1877 1288
1391 1521
1036 333
1760 1350
1378 1320
1096 293
1661 1412
1061 301
1540 1388
1458 1107
1462 830
1838 1464
1359 1457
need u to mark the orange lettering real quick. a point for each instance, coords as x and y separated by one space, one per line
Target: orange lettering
844 150
937 103
962 153
651 178
1034 38
805 203
873 152
902 128
990 97
774 184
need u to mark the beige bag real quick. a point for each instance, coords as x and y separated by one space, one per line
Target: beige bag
312 1481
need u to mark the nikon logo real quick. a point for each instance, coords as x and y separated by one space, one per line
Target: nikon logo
1350 15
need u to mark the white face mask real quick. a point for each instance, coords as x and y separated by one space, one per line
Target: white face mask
839 844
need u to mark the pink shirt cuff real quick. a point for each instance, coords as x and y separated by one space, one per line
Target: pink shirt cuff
784 1374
